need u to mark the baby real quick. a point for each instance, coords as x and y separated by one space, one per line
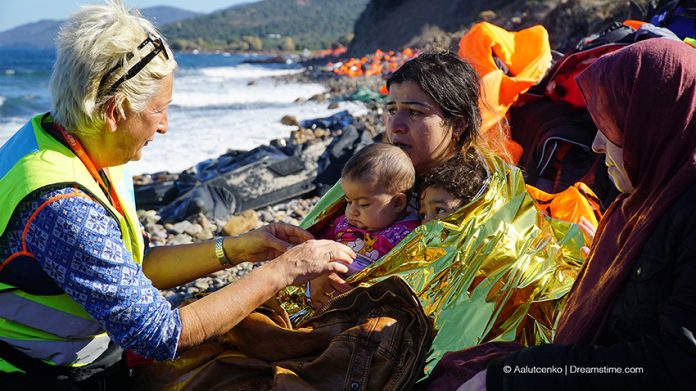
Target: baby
450 186
376 182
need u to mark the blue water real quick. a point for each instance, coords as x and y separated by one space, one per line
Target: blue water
24 76
219 103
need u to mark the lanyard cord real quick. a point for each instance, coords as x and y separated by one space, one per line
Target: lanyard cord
100 176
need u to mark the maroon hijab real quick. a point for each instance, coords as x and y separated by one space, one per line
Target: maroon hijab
643 98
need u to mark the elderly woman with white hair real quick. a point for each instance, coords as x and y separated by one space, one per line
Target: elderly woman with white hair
77 282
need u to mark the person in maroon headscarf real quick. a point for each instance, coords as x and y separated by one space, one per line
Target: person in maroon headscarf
630 319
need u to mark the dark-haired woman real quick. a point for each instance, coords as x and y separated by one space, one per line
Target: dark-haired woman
433 113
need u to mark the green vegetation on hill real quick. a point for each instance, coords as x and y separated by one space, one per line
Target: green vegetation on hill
269 25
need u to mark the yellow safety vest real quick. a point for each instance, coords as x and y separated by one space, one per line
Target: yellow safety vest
54 328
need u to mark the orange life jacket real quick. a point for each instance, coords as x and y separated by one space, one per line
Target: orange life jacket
509 63
570 204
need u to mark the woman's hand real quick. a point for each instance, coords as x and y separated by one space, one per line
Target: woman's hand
219 311
589 231
313 258
267 242
324 288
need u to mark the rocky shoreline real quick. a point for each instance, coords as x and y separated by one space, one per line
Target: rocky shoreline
200 228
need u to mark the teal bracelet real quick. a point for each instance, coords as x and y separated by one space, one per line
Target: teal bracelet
220 252
308 294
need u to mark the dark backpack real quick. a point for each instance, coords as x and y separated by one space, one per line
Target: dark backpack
557 141
677 15
559 83
552 124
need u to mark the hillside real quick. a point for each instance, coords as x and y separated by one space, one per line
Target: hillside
163 15
370 24
42 34
394 24
268 25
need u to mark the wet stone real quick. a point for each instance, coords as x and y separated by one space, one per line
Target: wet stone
193 229
181 226
202 285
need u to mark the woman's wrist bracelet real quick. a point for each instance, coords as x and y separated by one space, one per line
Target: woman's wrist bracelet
220 252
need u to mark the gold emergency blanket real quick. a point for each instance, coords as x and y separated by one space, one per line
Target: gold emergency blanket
495 270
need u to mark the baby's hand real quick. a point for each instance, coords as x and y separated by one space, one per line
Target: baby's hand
360 262
324 288
589 231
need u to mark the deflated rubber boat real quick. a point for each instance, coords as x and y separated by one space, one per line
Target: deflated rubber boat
236 181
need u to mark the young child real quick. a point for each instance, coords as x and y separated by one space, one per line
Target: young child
376 182
450 186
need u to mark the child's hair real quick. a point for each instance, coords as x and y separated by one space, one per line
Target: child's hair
462 176
384 162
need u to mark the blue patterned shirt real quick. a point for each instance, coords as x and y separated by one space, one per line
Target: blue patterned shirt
78 245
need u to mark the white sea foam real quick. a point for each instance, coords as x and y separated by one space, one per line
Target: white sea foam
8 126
2 100
245 71
200 91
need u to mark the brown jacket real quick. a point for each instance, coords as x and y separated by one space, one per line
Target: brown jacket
373 338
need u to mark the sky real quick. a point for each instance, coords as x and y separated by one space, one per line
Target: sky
14 13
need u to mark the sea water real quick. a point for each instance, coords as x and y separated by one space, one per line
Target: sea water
219 103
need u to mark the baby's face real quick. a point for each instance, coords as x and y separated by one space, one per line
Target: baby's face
436 203
371 207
